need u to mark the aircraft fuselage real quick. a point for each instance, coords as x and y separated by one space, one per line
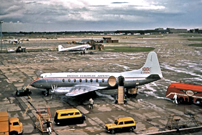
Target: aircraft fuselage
47 80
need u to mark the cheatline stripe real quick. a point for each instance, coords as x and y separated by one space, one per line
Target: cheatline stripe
83 77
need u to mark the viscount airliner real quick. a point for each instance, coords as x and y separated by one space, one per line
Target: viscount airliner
73 84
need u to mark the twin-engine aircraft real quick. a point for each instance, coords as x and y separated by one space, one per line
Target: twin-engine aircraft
73 84
81 48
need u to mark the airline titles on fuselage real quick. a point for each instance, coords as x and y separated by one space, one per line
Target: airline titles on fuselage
87 75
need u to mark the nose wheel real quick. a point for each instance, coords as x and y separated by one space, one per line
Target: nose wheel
45 93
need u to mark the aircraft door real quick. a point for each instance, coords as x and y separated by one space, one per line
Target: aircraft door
121 81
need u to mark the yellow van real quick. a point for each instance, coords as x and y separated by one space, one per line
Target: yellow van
68 116
120 124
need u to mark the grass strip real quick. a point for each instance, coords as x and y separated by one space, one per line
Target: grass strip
128 49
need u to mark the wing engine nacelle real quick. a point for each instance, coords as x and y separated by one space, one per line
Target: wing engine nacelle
112 81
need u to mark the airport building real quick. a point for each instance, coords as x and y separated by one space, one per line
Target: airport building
99 40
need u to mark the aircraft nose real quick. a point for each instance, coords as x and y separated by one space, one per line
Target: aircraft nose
34 83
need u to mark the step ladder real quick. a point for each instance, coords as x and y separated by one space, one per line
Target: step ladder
43 116
30 100
172 122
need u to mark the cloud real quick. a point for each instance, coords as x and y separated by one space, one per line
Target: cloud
86 12
119 2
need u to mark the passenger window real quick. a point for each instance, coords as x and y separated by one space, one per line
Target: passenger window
129 122
15 123
74 80
91 80
96 80
77 113
86 80
69 80
66 114
63 80
103 80
70 113
120 123
80 80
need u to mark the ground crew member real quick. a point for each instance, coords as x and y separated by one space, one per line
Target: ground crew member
91 103
48 126
175 99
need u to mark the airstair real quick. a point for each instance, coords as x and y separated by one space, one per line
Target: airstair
121 94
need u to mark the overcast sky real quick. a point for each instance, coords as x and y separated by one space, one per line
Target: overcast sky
99 15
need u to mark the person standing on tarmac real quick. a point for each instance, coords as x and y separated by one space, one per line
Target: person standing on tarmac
91 103
175 99
48 126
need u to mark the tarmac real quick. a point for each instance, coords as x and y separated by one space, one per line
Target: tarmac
149 108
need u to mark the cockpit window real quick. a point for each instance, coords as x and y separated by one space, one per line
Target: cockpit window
40 76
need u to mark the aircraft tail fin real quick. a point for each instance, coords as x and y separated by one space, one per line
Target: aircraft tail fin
151 65
60 48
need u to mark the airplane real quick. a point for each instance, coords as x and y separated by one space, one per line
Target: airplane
77 83
75 48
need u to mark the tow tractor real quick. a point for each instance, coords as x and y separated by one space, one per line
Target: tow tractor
24 91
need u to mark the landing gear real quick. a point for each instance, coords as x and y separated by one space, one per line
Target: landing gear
84 52
46 93
132 92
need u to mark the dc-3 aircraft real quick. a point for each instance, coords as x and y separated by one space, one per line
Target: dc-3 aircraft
73 84
81 48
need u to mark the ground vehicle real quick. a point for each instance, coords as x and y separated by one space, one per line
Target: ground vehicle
125 123
188 93
68 116
9 125
23 92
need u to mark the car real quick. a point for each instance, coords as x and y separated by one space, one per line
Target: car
68 116
121 124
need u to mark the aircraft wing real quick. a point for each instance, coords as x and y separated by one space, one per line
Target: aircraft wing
82 89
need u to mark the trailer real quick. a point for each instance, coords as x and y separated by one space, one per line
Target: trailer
186 93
